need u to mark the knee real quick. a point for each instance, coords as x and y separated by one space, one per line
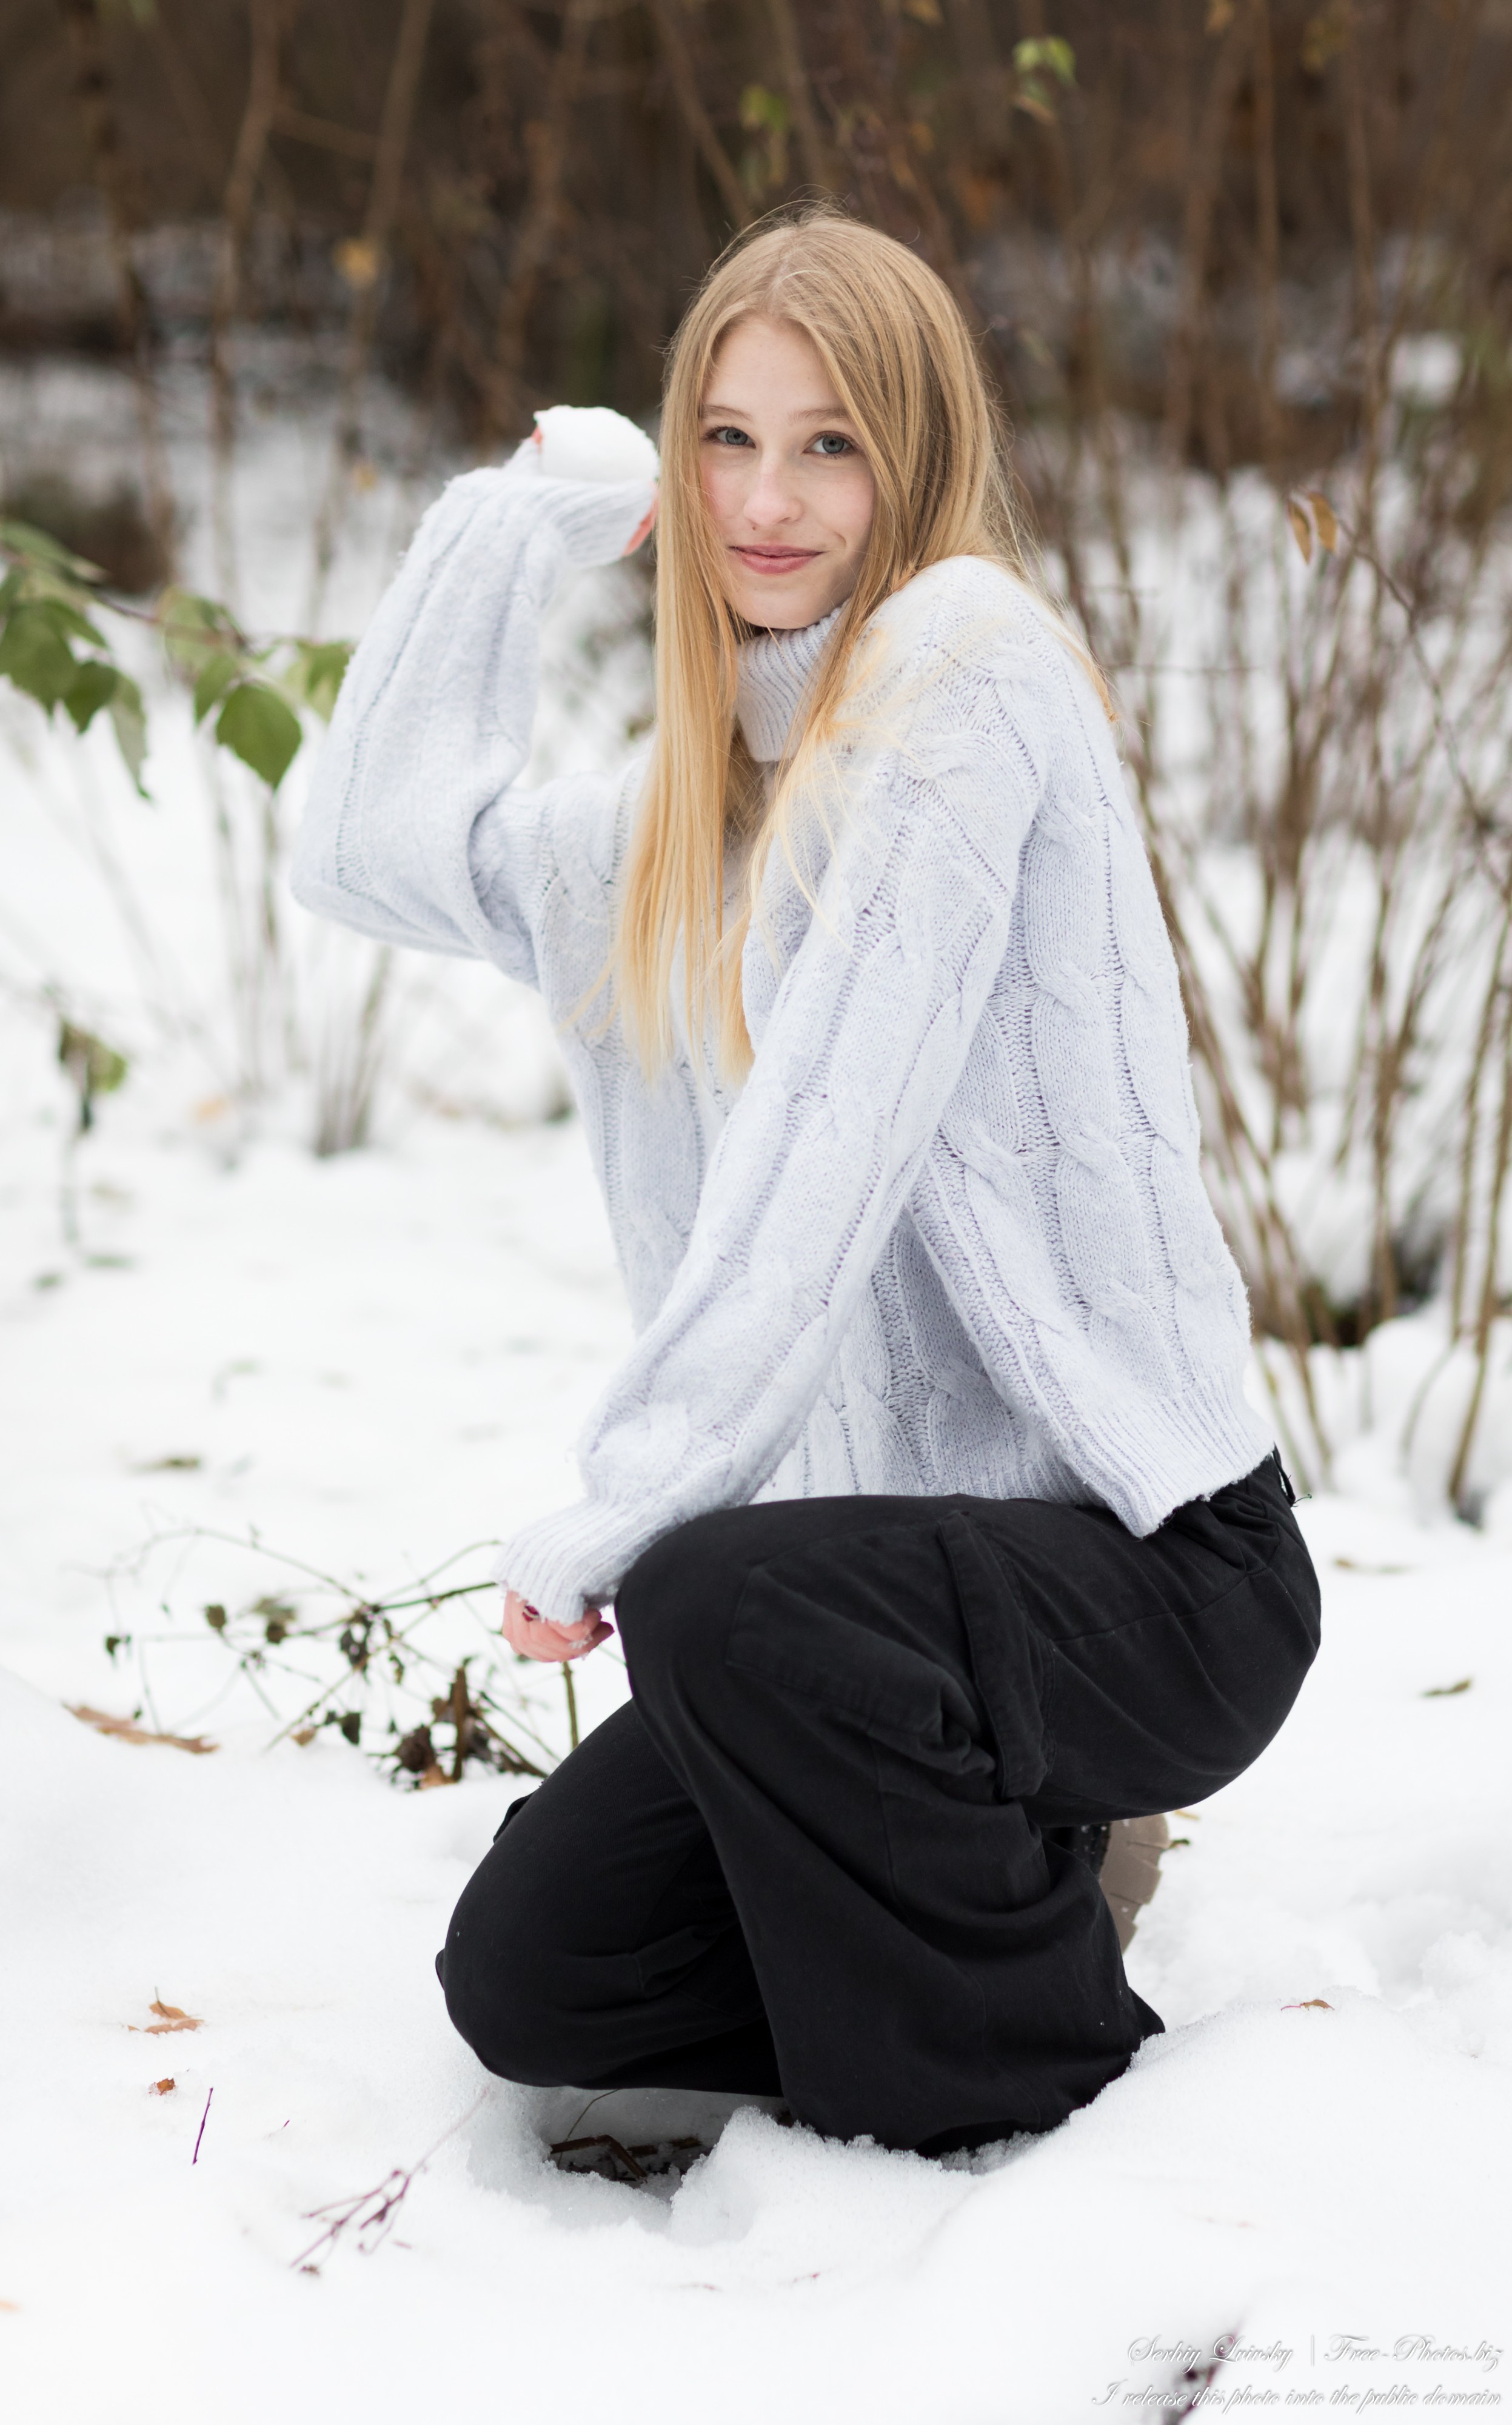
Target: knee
499 1998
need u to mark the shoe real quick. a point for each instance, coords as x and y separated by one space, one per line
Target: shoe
1125 1853
1130 1870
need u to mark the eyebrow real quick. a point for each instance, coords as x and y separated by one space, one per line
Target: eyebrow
813 412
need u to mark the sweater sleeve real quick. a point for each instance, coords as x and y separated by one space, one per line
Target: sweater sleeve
866 1039
417 830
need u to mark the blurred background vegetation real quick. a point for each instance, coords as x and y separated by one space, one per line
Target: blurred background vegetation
1242 272
1216 216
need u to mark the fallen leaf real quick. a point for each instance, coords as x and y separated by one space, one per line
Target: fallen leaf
161 2087
1361 1567
127 1730
1326 520
1447 1691
170 2019
1310 2004
305 1734
8 2308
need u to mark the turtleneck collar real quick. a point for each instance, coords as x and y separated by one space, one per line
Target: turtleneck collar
775 672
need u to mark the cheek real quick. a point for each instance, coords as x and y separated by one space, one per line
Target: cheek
856 506
722 484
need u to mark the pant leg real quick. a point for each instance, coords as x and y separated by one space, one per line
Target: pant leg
876 1703
596 1943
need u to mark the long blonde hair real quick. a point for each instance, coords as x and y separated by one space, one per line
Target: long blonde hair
897 350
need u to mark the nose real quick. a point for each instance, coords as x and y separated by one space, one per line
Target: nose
772 498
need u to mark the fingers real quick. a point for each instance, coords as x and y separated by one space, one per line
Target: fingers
645 528
536 1637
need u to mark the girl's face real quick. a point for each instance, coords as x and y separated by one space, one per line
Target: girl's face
790 493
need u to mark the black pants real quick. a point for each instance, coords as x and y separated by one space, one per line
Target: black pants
825 1850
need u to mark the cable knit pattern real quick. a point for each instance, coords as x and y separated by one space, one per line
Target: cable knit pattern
951 1234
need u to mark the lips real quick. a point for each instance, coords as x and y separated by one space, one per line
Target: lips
776 559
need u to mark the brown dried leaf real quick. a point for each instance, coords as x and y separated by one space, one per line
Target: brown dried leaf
1301 528
164 2087
1312 2004
170 2018
1324 520
1447 1691
127 1730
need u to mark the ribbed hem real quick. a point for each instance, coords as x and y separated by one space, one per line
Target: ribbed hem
595 519
579 1554
1148 1460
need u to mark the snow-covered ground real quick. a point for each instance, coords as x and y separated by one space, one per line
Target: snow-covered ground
377 1360
256 1363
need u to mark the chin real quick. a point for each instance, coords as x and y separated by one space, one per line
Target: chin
769 614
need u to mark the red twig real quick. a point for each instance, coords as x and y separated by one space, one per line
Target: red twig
200 2133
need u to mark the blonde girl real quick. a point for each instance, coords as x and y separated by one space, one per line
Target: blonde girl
935 1523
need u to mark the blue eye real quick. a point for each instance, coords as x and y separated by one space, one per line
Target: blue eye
729 436
831 442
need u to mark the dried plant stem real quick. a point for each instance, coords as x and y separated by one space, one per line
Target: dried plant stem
695 117
571 1703
799 92
1470 1130
1486 1315
1201 194
94 94
368 278
268 22
1267 230
549 145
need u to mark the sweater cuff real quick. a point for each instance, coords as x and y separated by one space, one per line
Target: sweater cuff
581 1553
595 519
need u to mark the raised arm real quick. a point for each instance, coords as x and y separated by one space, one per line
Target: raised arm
866 1043
416 829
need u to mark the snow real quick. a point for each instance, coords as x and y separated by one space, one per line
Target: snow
375 1364
589 443
378 1360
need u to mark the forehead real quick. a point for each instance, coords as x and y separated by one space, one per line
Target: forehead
769 364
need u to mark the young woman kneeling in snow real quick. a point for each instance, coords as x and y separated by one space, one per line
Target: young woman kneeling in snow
937 1525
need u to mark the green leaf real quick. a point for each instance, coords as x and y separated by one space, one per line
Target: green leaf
24 538
261 729
216 675
129 717
95 1067
92 688
35 656
760 107
317 673
1046 51
68 621
194 629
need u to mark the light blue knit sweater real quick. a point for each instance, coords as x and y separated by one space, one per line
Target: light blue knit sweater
951 1234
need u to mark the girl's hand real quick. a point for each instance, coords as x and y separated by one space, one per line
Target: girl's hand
593 443
536 1638
646 528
